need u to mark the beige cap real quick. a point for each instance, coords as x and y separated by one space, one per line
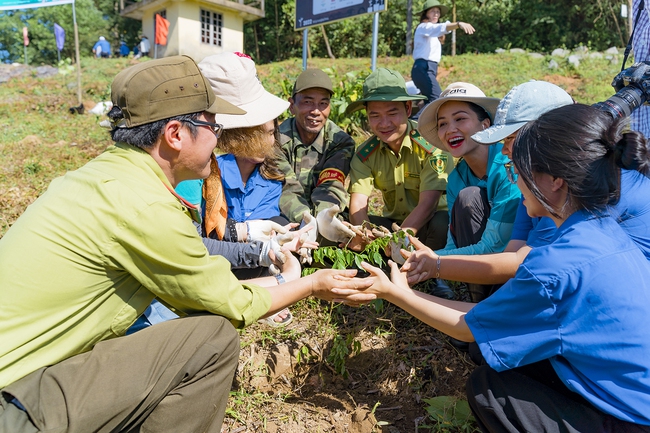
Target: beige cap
233 77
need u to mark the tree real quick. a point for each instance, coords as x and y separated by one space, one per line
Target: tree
40 23
538 25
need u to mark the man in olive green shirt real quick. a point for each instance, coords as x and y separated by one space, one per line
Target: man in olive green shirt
410 173
86 259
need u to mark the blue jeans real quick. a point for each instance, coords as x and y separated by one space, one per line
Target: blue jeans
423 74
155 313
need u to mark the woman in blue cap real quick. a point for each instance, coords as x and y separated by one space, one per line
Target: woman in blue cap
427 49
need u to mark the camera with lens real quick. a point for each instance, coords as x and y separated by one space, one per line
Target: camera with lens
632 87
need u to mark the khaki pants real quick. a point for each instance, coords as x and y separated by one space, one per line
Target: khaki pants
171 377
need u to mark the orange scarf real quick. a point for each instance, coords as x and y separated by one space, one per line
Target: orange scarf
216 208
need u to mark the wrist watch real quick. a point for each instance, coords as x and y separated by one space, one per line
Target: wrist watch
280 279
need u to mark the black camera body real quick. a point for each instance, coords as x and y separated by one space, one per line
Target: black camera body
632 87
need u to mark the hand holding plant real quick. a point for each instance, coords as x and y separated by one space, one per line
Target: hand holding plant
420 264
341 286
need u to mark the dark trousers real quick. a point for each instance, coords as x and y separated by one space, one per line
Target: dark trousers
424 74
171 377
469 217
433 234
534 399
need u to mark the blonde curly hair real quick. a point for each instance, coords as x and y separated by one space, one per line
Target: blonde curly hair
252 142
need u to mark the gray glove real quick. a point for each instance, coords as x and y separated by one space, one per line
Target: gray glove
272 245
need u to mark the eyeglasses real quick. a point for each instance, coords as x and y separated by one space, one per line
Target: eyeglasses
216 128
510 171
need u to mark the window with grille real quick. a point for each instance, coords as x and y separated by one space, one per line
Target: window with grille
211 24
162 13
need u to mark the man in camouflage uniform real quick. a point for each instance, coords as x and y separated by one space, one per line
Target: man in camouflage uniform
315 152
410 173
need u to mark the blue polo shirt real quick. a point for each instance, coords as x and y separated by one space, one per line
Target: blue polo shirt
535 231
582 302
632 212
258 199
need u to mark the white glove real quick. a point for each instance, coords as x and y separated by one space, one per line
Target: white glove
332 228
311 235
260 230
395 255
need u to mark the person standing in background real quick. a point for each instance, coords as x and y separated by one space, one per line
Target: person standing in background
427 49
144 47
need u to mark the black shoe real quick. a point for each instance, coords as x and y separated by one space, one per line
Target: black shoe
462 346
441 289
435 287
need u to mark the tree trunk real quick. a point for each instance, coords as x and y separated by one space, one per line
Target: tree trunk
453 32
308 47
277 33
630 18
409 27
257 45
327 43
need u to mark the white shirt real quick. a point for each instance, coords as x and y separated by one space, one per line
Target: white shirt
425 41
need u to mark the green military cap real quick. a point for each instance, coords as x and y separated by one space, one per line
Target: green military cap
434 4
312 78
164 88
383 85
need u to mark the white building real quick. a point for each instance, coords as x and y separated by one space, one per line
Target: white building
197 28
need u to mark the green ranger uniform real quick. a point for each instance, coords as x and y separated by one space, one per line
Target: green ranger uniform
420 167
314 172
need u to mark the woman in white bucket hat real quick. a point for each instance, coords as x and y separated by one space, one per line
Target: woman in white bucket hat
482 201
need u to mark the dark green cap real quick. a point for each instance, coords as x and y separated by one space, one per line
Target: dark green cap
434 4
383 85
310 79
163 88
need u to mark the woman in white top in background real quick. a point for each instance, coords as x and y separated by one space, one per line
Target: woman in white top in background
427 48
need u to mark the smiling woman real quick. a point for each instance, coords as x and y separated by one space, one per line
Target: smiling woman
481 199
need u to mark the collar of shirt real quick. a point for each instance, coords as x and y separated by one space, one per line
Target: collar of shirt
319 142
231 176
406 141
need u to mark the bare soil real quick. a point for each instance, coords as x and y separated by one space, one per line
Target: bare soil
288 382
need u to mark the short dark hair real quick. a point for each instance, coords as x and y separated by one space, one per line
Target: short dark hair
586 148
481 113
144 136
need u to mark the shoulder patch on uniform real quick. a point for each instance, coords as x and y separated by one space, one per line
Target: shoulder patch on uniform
420 141
439 162
330 174
368 148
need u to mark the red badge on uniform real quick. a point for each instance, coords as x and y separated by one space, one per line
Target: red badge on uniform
330 174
